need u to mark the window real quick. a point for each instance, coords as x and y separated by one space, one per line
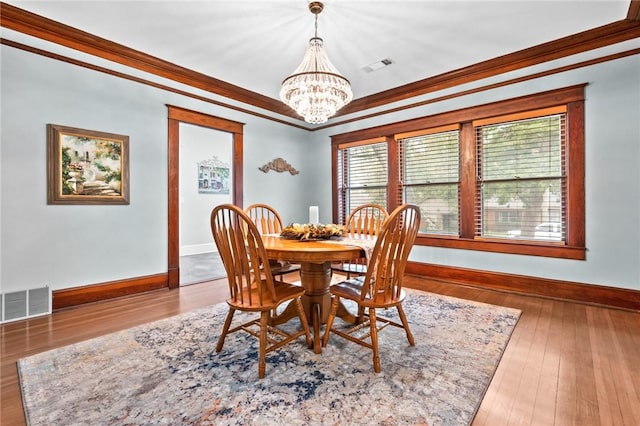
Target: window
504 177
363 176
430 171
521 176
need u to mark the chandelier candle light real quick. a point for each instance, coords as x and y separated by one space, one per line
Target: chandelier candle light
316 90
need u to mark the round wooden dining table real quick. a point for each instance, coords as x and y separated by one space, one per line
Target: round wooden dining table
315 258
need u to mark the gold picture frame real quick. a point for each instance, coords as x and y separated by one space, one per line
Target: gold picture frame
86 166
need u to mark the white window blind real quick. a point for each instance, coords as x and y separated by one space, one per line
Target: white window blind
363 177
521 181
430 170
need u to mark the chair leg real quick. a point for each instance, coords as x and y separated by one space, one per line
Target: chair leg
332 314
262 350
304 321
405 324
374 340
225 329
360 317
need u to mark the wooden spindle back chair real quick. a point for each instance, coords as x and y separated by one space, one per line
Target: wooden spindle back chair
366 219
265 217
251 284
268 221
381 287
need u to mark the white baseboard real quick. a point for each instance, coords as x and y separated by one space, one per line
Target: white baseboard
197 249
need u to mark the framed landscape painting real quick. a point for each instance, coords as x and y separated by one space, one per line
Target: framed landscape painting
86 166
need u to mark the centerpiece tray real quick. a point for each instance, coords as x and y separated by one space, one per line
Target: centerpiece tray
312 232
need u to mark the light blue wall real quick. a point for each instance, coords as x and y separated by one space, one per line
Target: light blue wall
612 116
67 245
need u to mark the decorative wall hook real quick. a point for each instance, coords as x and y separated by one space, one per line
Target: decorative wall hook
279 165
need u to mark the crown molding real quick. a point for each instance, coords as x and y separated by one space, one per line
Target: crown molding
606 35
38 26
47 29
491 86
634 11
150 83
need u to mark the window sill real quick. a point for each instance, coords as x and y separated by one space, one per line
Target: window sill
511 247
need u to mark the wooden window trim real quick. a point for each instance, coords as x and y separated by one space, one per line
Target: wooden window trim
570 97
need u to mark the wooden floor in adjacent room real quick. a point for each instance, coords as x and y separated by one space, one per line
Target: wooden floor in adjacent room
566 363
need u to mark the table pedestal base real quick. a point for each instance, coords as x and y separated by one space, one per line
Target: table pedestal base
316 279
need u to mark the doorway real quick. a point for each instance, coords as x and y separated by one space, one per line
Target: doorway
205 181
178 118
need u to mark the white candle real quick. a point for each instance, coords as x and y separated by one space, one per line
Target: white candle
314 217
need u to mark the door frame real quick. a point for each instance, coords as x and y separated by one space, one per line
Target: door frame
177 115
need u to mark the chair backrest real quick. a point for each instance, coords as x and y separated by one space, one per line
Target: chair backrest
265 217
366 219
240 246
383 280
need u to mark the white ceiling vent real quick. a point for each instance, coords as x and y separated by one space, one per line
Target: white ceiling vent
378 65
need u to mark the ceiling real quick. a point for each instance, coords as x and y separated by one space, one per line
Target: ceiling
256 44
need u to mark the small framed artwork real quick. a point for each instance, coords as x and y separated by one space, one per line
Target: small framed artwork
213 176
86 166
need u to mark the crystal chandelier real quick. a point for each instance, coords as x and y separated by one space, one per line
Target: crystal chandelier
316 90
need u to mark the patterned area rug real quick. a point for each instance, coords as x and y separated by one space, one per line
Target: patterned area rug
167 372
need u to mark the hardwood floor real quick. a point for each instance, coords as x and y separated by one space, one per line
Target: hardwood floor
566 363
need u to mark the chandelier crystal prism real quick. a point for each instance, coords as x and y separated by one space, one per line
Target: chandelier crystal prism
316 90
